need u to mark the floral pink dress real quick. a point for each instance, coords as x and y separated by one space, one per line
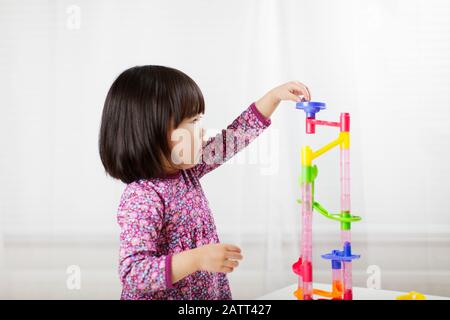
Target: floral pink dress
161 217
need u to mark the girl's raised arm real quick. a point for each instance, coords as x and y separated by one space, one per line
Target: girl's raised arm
249 125
222 147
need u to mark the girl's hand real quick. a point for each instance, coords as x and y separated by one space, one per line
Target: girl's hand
217 257
293 91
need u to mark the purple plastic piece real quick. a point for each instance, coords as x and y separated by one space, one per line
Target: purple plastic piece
310 107
342 256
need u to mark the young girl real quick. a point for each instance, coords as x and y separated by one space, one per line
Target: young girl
169 248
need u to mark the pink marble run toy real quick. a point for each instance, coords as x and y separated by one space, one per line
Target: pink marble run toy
341 260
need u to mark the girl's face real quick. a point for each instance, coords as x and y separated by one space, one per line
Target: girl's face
185 143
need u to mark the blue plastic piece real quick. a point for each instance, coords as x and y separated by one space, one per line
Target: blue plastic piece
336 264
337 256
311 107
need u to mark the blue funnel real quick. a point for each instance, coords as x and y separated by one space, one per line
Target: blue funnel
310 107
344 255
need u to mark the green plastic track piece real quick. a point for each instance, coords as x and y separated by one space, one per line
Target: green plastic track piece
344 217
309 174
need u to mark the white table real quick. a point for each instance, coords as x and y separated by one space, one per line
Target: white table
287 293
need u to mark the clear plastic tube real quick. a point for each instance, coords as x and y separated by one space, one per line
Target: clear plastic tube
345 179
345 208
346 236
306 240
348 290
300 282
337 283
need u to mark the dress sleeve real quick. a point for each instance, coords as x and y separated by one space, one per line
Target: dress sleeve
222 147
140 267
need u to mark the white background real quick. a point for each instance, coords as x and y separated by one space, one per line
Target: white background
386 62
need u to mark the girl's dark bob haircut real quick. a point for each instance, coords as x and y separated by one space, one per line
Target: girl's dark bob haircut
142 105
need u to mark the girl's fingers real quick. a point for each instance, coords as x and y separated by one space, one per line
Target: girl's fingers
233 255
230 264
226 269
307 93
232 247
303 89
294 97
295 90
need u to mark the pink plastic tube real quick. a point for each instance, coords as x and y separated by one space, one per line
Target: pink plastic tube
348 290
306 241
345 179
345 207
